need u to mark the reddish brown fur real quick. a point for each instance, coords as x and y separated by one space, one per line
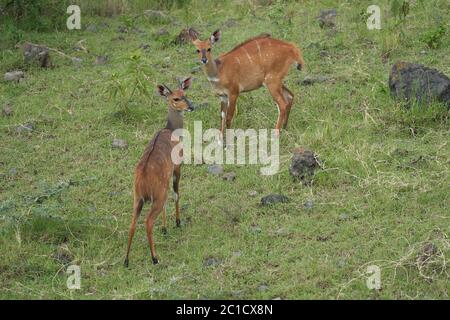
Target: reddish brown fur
156 168
259 61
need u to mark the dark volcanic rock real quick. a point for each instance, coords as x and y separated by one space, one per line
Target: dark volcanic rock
415 82
36 53
303 165
273 199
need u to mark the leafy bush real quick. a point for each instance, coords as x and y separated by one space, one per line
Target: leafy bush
42 15
434 36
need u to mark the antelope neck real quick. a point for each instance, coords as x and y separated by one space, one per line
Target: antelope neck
211 70
174 120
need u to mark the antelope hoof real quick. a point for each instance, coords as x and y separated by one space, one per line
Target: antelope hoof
164 231
178 223
125 263
155 260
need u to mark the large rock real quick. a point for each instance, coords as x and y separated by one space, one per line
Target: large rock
303 165
414 82
38 54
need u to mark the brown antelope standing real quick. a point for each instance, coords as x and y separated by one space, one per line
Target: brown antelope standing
156 167
258 61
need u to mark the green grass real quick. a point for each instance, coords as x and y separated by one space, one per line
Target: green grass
66 195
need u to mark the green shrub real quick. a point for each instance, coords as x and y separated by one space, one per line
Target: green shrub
42 15
434 36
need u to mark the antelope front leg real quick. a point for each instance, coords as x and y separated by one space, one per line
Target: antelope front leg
223 116
176 184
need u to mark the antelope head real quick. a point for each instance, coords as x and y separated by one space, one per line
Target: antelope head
204 48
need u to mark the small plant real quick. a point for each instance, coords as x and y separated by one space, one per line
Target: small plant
400 8
122 87
434 36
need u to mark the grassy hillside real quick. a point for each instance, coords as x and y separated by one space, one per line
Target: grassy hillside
381 196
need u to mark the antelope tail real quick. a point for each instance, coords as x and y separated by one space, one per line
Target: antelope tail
299 58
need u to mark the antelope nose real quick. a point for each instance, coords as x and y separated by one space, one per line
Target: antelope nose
204 60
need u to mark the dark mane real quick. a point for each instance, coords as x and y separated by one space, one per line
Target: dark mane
261 36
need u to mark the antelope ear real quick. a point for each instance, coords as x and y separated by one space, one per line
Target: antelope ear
193 34
186 83
216 36
164 91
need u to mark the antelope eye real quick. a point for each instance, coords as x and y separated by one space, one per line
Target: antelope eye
176 99
209 49
198 51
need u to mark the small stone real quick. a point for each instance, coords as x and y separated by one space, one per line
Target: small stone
155 14
184 37
255 229
12 171
144 46
229 176
101 60
277 298
327 18
215 169
118 143
138 30
237 293
162 32
27 127
343 216
253 193
324 53
273 199
428 251
263 287
211 262
7 110
312 79
122 29
92 28
77 62
323 238
282 232
14 76
237 254
309 204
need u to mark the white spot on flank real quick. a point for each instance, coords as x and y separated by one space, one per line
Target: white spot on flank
223 114
213 79
259 48
248 56
238 61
